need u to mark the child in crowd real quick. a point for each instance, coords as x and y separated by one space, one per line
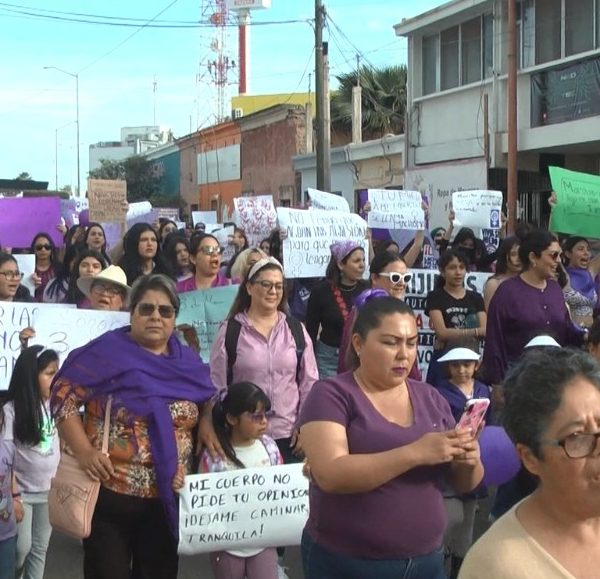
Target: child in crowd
30 427
240 420
459 365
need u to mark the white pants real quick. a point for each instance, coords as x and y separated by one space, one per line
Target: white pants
33 536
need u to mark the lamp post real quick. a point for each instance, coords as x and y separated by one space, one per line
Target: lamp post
76 77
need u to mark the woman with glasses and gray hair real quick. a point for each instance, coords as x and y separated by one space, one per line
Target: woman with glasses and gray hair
157 387
552 414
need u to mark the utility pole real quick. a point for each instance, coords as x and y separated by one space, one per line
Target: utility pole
323 113
512 168
357 106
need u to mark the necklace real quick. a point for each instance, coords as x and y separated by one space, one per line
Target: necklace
340 301
348 288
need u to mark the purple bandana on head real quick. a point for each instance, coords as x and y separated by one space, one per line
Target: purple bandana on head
342 249
368 295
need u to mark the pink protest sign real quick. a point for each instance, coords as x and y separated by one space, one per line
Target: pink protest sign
21 218
256 216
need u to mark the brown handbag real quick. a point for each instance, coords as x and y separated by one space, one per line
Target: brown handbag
73 494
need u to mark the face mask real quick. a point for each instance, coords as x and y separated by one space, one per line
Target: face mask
469 253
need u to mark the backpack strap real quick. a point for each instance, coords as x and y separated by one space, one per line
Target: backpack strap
232 335
272 450
298 334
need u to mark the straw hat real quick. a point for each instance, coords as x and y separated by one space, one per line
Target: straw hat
112 274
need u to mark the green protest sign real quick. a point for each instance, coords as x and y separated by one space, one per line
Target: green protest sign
577 210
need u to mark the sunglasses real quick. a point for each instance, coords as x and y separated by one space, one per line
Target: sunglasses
555 255
45 246
258 417
396 277
165 312
100 289
210 249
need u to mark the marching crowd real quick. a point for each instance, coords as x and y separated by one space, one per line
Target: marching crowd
320 371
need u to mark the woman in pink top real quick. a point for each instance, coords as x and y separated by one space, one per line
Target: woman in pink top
205 257
266 352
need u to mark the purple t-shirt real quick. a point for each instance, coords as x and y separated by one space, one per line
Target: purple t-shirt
189 284
402 518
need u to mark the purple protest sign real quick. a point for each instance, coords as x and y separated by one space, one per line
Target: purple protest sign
21 218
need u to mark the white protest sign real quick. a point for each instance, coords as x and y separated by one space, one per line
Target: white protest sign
212 227
306 250
64 330
423 282
224 236
327 201
477 209
138 209
256 216
395 209
204 217
26 262
239 509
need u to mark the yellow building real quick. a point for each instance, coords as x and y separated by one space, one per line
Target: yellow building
247 104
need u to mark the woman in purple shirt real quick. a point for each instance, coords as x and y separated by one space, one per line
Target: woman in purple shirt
380 447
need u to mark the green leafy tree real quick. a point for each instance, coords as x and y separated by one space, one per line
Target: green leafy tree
24 176
383 100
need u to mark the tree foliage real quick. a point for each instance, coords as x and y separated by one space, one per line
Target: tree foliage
383 100
24 176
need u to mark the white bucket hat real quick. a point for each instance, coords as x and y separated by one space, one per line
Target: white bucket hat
542 341
112 274
460 354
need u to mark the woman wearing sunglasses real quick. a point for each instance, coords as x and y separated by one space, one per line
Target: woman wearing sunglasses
552 416
390 274
205 258
157 386
11 289
47 263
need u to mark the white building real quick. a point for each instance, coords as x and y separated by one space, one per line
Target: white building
134 141
457 60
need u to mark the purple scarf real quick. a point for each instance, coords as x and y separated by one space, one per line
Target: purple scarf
582 282
145 384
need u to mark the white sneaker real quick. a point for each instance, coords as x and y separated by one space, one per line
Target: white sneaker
281 574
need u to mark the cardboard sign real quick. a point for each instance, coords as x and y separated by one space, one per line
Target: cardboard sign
22 218
256 216
64 329
306 250
246 508
206 310
107 199
395 209
204 217
26 262
477 209
577 210
327 201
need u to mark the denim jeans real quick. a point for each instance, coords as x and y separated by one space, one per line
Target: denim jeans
327 360
320 563
8 551
33 536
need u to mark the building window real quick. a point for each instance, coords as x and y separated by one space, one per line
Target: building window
525 33
488 46
470 48
430 63
579 26
548 31
449 58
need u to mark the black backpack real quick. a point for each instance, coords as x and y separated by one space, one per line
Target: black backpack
232 335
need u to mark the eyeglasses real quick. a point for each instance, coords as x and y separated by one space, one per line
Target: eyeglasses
555 255
100 288
578 444
45 246
148 309
10 275
210 249
269 285
258 417
396 277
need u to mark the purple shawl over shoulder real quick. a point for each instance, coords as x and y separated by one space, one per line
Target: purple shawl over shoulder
145 384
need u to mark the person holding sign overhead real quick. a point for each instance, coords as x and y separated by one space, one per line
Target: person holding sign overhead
331 301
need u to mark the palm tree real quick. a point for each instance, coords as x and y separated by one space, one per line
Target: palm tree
383 100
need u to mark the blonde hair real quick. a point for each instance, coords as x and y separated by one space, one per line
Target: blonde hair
240 267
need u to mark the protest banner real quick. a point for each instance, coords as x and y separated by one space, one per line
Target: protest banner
205 310
327 201
22 218
107 199
26 263
64 329
240 509
422 283
204 217
256 216
477 209
395 209
310 233
577 210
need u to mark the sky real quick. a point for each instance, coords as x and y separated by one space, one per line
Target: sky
117 67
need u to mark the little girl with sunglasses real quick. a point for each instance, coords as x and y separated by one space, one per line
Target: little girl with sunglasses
240 421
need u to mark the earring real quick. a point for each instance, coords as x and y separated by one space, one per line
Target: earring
358 353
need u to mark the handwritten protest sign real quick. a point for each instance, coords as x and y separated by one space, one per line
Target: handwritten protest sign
310 233
240 509
26 262
204 217
64 329
577 210
477 209
256 216
392 209
422 283
107 198
21 218
205 310
327 201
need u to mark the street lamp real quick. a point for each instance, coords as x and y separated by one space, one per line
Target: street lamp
76 77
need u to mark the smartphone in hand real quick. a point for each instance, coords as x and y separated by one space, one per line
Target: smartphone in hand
473 414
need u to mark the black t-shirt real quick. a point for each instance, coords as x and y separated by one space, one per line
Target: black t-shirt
323 311
457 313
